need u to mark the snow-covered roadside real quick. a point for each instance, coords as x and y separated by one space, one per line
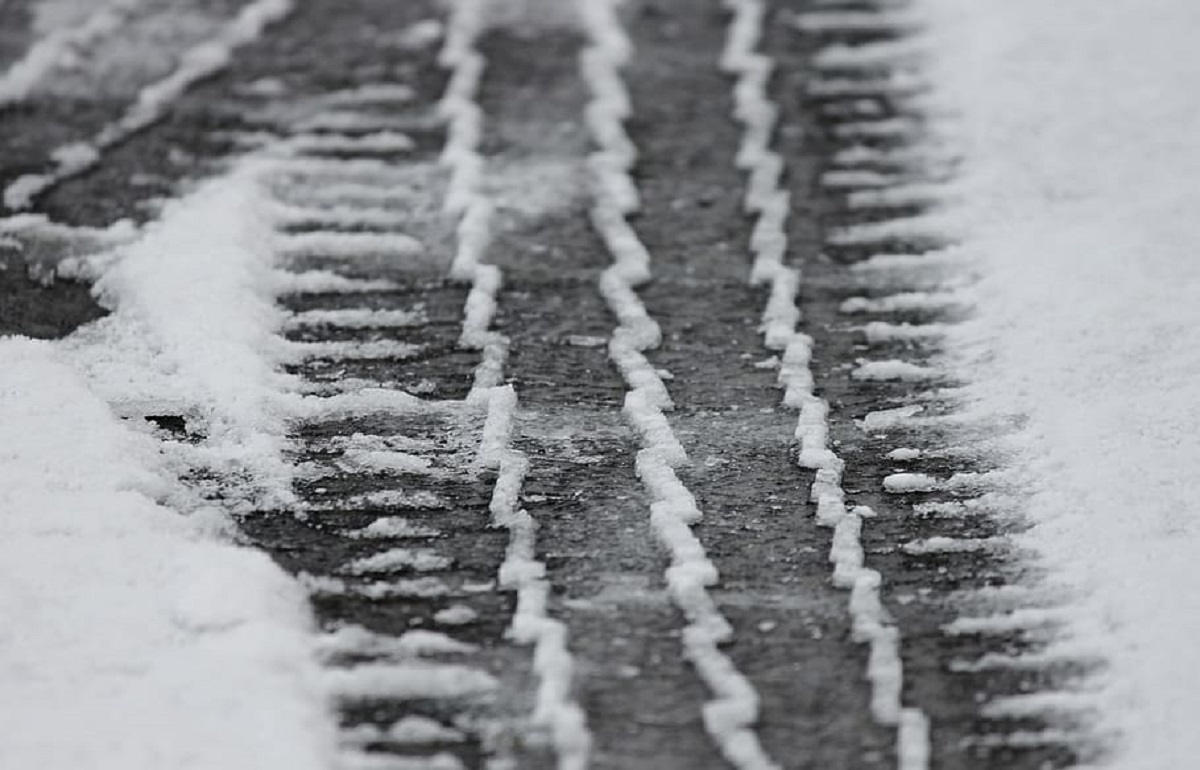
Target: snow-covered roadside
1078 122
137 635
193 332
133 636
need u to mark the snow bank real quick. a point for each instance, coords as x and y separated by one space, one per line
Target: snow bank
1078 121
133 637
194 330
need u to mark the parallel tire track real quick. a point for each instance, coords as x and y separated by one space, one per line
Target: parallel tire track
729 717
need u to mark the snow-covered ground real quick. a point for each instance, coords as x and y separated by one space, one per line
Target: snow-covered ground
1079 123
139 637
134 637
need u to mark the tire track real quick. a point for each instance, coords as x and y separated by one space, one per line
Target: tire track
766 199
972 610
581 487
732 711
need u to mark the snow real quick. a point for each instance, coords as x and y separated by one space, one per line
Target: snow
193 330
554 708
153 101
410 679
409 731
58 46
1078 131
396 560
730 715
136 637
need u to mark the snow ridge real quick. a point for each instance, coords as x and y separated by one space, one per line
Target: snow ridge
729 717
196 64
758 114
48 53
554 708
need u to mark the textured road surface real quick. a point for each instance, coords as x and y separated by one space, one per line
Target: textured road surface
390 478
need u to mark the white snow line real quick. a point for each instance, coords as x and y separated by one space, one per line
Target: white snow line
555 709
326 282
416 679
1061 654
337 216
947 545
914 194
889 54
411 730
894 371
396 560
1019 620
907 302
883 332
916 158
924 227
754 109
894 129
729 717
23 76
1066 703
378 171
376 142
347 350
858 179
347 245
380 94
153 101
348 121
358 318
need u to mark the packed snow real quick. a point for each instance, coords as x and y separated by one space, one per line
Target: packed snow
1078 125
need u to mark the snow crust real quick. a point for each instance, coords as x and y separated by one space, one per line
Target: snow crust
1078 126
135 637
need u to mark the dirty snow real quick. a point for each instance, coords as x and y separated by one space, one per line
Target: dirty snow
1079 121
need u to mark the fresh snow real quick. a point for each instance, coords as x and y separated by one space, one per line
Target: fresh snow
135 637
135 627
1078 124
